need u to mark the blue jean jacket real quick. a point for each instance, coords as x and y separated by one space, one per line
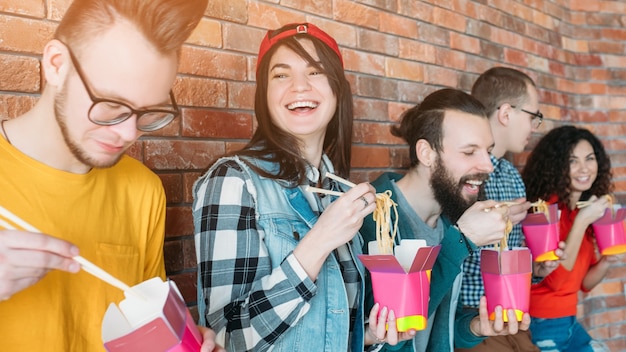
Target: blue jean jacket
281 211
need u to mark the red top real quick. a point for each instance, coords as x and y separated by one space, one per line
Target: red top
557 295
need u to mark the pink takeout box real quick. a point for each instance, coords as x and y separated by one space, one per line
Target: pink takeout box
609 232
406 292
507 276
155 319
542 234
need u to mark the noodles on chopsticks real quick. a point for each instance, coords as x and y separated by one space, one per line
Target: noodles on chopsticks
385 233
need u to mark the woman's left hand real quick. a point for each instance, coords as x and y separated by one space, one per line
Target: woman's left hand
377 331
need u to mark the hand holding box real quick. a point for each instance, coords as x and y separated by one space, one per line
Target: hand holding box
401 282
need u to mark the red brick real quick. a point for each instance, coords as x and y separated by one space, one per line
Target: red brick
217 124
440 76
355 13
241 95
370 156
270 16
374 133
30 8
178 221
464 43
211 63
57 8
323 8
200 92
19 73
231 10
207 33
242 38
189 178
449 19
404 69
376 87
451 59
15 105
370 109
173 185
363 62
181 154
416 51
378 42
416 9
13 29
398 25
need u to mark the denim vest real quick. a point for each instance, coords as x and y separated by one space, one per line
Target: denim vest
281 211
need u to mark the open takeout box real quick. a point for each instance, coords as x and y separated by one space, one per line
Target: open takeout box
506 276
609 232
153 317
542 234
401 282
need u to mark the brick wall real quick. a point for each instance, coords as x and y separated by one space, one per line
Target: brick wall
396 52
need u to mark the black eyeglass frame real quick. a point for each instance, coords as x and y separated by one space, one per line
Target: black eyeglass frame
535 115
137 112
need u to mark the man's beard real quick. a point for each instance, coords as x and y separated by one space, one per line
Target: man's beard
448 192
77 151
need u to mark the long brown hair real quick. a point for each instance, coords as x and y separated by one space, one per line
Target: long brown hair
272 144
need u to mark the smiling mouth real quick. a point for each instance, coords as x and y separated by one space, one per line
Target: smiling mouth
302 105
474 183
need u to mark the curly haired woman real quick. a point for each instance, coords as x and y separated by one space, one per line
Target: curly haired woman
569 165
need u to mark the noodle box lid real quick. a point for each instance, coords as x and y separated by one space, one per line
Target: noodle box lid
609 232
508 261
151 318
401 282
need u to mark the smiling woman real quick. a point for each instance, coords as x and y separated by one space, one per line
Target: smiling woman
278 265
568 166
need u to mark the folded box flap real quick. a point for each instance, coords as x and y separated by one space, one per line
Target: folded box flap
162 302
425 258
611 218
511 261
386 263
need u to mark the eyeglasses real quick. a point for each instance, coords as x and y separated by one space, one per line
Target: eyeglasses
108 112
537 117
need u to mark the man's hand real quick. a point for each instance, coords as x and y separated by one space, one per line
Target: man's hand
208 341
26 257
482 326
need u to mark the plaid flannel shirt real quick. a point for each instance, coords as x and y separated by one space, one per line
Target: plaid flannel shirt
245 298
504 184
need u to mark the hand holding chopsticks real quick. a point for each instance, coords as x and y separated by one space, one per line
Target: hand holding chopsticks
40 253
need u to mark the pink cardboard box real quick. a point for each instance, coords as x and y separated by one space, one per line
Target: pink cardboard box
155 319
405 291
609 232
506 276
542 234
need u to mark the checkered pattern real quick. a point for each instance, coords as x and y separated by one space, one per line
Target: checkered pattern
504 184
249 304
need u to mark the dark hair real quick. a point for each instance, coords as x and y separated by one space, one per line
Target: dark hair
547 169
500 85
276 145
166 24
424 121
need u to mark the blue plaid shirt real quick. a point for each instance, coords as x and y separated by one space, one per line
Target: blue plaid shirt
504 184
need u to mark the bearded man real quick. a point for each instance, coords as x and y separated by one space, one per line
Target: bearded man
450 141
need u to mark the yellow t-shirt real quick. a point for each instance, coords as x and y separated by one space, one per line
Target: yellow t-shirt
115 216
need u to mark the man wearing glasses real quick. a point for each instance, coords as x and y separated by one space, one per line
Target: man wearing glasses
511 100
109 72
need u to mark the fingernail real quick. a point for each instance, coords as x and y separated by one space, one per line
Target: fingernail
74 267
74 250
